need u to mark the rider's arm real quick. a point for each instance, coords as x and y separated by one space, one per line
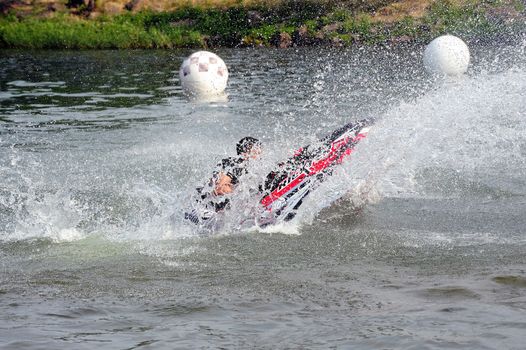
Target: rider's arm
223 185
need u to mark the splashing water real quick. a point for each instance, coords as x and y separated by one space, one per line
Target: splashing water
123 182
422 227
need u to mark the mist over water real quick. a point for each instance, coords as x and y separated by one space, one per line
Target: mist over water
417 241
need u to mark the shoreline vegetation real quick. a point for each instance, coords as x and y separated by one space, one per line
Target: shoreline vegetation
134 24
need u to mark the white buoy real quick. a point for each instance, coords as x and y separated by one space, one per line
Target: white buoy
203 73
448 55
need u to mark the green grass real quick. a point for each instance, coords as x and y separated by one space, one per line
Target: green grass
234 26
468 19
104 33
187 27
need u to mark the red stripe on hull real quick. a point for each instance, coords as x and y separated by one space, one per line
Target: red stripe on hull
316 167
266 201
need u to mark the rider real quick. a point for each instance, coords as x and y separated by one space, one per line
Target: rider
225 179
230 169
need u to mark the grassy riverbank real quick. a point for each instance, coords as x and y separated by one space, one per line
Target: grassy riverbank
281 23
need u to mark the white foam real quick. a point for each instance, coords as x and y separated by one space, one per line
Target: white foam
286 228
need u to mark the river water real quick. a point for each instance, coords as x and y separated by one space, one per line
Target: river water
418 242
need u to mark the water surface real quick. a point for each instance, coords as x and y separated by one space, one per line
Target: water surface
100 153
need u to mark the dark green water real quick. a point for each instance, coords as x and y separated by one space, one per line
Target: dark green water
100 153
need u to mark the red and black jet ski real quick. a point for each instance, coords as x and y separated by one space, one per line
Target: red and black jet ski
285 188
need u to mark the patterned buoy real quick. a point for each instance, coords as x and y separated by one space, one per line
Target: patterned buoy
203 74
